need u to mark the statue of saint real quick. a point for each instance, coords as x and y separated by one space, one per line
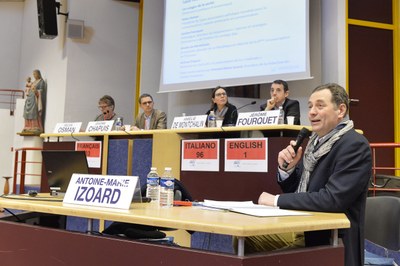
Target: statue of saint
35 104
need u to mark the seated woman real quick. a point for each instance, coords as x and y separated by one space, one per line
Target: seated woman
222 108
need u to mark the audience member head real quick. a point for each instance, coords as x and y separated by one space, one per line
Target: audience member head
279 92
106 106
328 105
146 103
219 98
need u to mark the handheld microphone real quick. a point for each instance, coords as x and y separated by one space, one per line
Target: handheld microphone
304 133
236 110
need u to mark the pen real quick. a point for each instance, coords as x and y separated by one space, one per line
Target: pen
187 203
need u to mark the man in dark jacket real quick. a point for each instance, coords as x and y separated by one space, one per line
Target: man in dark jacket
333 175
279 97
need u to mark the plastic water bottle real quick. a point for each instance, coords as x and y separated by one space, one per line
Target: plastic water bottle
281 119
119 123
167 183
212 120
153 186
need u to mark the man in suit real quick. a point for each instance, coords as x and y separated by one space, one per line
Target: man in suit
279 97
150 118
333 175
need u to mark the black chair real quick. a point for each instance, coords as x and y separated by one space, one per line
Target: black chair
382 221
137 231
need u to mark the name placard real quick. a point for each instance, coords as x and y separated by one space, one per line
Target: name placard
92 150
67 127
100 126
200 155
196 121
109 191
258 118
246 155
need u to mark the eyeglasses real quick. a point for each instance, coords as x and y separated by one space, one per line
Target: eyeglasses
101 107
220 94
149 102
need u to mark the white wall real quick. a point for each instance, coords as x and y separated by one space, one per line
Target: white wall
104 62
334 41
11 14
78 73
49 57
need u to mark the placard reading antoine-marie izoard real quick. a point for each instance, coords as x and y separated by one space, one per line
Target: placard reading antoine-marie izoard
109 191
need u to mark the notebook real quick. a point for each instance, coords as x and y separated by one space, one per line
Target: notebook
60 165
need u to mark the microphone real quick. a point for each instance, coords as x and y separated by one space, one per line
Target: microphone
231 118
304 133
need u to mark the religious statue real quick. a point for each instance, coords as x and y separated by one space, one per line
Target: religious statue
35 104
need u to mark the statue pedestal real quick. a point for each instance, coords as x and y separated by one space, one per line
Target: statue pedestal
29 133
29 156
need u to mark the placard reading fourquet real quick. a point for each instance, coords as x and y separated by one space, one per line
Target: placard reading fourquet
246 155
200 155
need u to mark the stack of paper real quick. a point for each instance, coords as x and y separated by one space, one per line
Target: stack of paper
249 208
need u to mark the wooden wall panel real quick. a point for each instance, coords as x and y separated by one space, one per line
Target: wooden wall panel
371 10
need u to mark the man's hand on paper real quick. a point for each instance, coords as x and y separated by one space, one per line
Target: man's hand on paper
266 199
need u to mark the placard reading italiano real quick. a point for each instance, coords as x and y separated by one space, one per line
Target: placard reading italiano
109 191
92 150
246 155
196 121
258 118
100 126
68 127
200 155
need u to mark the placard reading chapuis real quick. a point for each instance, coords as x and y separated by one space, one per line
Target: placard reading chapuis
200 155
109 191
246 155
100 126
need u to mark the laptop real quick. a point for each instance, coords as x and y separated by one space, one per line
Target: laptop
60 165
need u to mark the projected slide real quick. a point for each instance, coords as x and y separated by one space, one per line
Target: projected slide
230 42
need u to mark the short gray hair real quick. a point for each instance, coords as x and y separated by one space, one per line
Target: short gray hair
339 94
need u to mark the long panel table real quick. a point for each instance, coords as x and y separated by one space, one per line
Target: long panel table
165 150
162 148
187 218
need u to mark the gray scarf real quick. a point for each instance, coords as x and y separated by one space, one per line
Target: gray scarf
314 151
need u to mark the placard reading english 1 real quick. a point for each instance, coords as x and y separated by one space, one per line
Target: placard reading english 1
100 126
196 121
200 155
109 191
258 118
68 127
246 155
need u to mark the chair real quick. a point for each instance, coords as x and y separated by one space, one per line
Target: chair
382 226
382 221
137 231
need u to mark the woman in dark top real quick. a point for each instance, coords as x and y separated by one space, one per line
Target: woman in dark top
222 108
